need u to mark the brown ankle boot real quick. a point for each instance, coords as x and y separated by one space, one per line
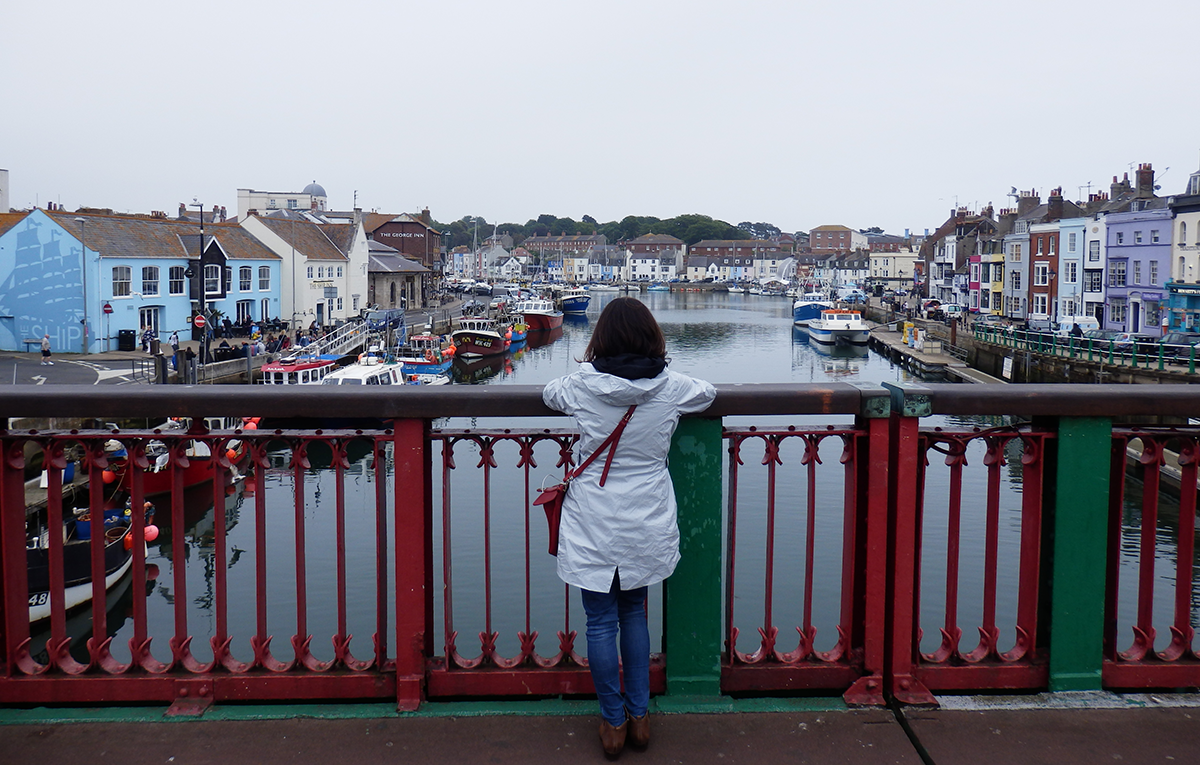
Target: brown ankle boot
639 731
612 738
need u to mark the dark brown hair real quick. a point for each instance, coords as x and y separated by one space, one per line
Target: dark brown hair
626 326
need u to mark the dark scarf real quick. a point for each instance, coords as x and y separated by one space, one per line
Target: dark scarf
631 366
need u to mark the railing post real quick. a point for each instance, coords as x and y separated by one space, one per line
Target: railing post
1079 524
908 405
410 456
865 559
693 594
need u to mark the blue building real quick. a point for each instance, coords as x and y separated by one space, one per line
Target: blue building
83 278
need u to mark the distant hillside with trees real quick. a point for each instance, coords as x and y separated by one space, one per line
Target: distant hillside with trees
690 228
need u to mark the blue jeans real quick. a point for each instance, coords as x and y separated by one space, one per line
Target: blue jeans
606 612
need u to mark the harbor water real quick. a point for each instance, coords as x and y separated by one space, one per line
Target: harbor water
720 337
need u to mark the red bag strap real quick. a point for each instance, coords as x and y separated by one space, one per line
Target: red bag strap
611 441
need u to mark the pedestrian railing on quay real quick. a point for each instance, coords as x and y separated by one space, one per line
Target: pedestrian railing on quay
1136 354
836 540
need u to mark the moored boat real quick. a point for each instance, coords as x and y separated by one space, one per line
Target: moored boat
839 326
658 287
370 369
298 370
573 301
479 337
424 354
200 463
77 548
540 314
809 306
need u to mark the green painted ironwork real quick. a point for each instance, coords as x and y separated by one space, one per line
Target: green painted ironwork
693 594
1079 520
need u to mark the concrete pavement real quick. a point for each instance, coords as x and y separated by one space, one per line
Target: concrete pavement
1054 729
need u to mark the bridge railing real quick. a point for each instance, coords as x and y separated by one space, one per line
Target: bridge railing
848 549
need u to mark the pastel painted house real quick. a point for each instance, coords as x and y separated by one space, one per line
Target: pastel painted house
135 272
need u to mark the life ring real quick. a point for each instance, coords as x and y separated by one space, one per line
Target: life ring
428 355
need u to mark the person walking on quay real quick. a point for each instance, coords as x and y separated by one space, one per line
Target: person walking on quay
46 351
620 536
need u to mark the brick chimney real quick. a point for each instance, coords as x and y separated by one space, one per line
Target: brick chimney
1145 181
182 210
1028 201
1119 187
425 217
1054 205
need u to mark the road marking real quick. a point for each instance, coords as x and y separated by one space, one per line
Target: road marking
38 380
104 373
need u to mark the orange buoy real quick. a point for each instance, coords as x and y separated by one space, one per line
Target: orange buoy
251 425
108 476
128 541
231 455
150 533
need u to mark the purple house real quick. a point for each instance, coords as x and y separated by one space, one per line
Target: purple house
1139 266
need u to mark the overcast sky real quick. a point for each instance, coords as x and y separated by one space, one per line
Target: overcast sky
861 113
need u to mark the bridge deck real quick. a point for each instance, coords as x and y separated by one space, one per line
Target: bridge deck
963 733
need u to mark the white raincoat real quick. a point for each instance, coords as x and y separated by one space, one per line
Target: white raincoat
629 523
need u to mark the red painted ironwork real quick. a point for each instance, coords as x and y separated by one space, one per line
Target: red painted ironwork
949 666
770 666
102 677
885 478
1139 664
532 671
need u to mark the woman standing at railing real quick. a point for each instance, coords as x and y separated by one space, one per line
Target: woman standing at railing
618 538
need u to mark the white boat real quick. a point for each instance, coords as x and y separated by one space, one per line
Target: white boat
298 370
808 307
369 370
839 326
603 288
426 379
735 289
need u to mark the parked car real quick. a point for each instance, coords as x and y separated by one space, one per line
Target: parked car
1101 334
1177 344
1126 342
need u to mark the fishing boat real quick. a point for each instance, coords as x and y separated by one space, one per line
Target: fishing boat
838 326
573 301
479 337
77 557
424 354
809 306
539 314
299 370
658 287
200 464
518 330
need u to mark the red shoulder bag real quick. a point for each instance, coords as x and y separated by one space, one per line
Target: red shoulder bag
552 497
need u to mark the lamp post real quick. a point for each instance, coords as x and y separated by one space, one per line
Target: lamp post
203 307
83 271
1053 298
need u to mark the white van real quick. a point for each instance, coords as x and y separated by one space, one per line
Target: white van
1065 325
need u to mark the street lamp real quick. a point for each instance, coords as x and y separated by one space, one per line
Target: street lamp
83 271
